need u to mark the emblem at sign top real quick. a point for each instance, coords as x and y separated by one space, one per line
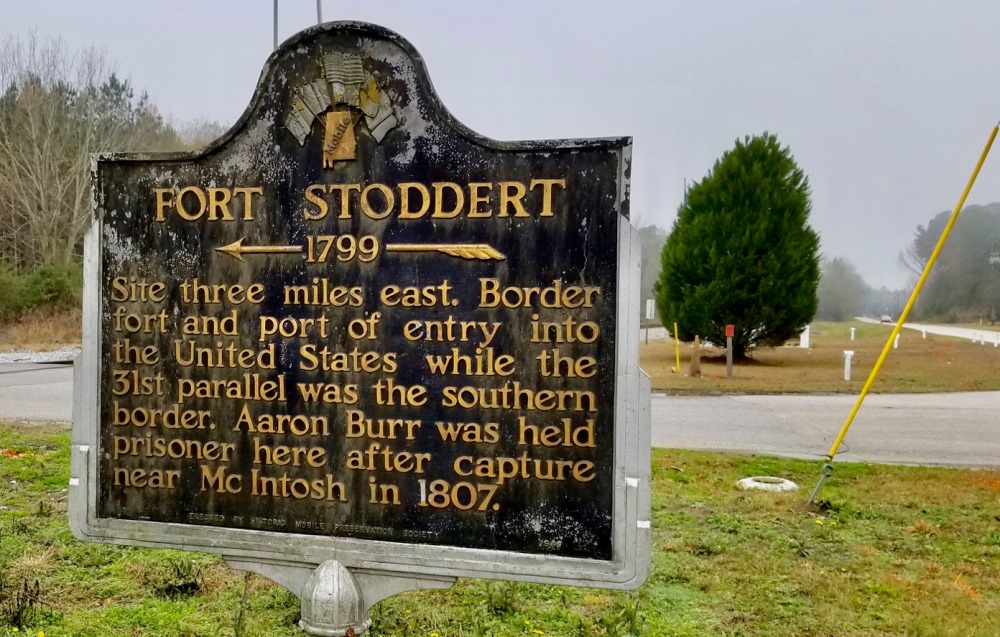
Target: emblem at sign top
343 97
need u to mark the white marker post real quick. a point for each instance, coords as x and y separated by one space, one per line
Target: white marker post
804 338
895 343
848 355
650 313
852 333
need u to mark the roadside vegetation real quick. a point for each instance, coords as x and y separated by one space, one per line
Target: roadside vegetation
931 364
48 290
58 106
888 550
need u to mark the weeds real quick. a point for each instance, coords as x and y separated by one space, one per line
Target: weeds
44 509
182 579
239 622
501 597
625 618
41 330
18 526
21 604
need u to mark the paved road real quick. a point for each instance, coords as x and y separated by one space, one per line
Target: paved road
960 429
985 335
954 429
36 391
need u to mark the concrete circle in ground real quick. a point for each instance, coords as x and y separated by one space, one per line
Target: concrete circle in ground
767 483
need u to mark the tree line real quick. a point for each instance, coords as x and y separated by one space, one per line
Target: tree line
58 107
964 284
741 252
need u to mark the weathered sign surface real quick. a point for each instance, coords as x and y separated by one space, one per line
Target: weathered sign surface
353 327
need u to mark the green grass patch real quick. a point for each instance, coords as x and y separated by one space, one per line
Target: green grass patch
889 550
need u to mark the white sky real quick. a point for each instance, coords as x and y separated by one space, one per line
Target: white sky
886 104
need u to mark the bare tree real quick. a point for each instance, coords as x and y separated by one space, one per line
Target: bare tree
57 107
199 133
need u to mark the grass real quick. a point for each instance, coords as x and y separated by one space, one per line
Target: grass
41 331
890 550
934 364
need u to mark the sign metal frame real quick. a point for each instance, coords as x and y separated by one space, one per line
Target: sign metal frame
288 557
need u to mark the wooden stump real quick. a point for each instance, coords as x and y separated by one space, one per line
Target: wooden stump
694 371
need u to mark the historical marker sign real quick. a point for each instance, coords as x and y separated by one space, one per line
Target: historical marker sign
354 329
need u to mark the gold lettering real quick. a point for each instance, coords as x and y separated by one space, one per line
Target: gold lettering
475 198
248 200
182 210
141 479
345 199
404 200
164 200
547 185
507 199
439 211
218 202
321 208
390 201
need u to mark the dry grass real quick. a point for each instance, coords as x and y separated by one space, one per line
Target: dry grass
934 364
41 331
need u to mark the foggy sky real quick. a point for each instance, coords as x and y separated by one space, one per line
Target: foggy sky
886 105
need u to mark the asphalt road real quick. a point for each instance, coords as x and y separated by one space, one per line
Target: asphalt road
986 335
960 429
36 392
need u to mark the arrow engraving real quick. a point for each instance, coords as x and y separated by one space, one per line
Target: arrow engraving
236 249
480 251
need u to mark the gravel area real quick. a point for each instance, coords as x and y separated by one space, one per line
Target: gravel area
62 355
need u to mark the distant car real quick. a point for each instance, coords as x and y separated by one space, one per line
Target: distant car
885 319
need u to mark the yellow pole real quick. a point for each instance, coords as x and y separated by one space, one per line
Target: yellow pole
912 299
677 349
827 466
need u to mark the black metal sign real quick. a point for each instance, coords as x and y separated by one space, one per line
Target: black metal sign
353 317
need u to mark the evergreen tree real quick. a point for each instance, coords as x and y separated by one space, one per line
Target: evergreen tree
741 251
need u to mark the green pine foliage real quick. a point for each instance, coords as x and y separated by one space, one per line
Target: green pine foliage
741 251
